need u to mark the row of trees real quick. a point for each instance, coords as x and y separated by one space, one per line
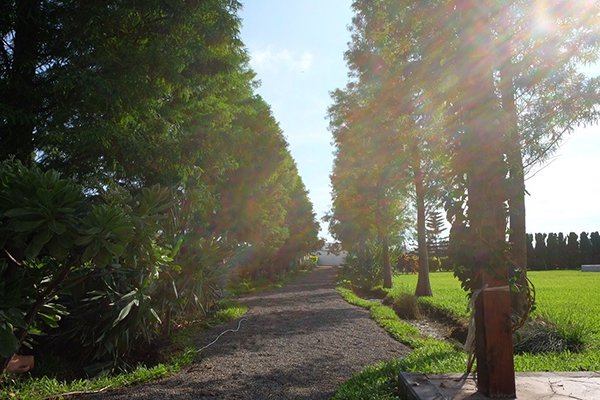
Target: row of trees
140 172
449 104
551 251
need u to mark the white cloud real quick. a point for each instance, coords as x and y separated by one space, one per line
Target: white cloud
270 58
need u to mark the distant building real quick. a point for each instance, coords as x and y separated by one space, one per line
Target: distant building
329 255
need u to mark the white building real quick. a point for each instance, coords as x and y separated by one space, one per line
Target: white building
328 257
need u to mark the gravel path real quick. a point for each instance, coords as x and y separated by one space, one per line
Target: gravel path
299 342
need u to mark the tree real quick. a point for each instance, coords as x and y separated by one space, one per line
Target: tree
573 255
531 261
542 93
595 242
562 251
435 227
366 180
585 248
541 251
552 251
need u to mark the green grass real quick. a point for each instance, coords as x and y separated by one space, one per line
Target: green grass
26 387
564 297
379 382
567 298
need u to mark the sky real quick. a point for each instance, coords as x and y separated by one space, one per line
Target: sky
297 51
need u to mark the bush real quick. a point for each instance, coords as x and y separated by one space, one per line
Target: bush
65 254
407 263
540 336
364 273
435 264
406 306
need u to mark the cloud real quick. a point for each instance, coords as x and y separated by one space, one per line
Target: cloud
276 59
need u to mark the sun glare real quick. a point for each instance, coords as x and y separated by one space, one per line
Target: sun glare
543 22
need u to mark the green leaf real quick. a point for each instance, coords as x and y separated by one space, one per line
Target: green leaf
90 252
155 315
58 247
102 258
116 249
21 212
57 227
33 249
26 226
125 311
8 341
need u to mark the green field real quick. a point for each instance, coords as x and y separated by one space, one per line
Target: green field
569 299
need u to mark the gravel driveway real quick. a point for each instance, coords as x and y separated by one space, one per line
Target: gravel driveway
299 342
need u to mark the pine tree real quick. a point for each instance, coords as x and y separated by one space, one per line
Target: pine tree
531 261
541 252
573 255
552 251
435 228
562 250
585 248
595 239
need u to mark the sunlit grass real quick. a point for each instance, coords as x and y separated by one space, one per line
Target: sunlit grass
567 298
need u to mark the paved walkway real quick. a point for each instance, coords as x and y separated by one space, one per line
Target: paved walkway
299 342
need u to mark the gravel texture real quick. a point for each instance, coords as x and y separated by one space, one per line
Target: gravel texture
299 342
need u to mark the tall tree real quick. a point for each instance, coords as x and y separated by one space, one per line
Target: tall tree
595 241
435 228
543 95
585 248
573 258
367 181
552 251
541 251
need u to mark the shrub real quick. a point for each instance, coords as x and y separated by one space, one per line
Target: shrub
407 263
435 264
406 306
364 272
540 336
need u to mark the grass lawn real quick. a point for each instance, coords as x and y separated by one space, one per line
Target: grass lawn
567 298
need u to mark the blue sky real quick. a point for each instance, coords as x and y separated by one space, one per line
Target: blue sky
297 50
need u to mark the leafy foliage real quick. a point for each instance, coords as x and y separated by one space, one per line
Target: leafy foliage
137 197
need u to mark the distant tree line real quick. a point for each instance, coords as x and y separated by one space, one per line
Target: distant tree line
554 251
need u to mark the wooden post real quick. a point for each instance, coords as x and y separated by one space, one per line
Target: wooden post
493 336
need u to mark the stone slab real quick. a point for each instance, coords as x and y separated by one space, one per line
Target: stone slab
590 268
530 386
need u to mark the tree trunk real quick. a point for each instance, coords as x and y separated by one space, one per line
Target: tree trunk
17 137
516 187
482 152
387 268
423 283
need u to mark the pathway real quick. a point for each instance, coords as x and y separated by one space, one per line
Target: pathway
299 342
